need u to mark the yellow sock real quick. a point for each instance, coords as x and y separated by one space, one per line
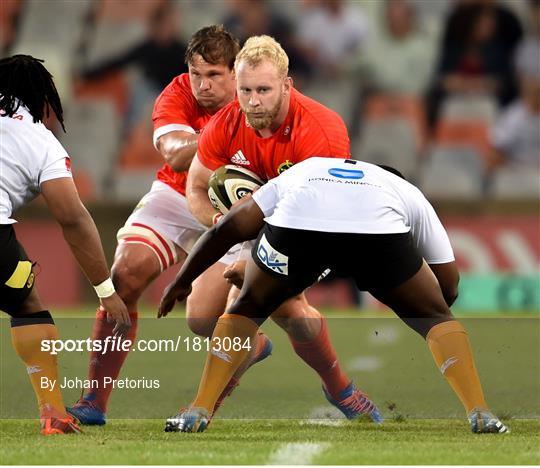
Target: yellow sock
449 344
222 363
26 336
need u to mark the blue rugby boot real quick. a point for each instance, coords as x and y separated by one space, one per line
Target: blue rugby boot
87 412
353 403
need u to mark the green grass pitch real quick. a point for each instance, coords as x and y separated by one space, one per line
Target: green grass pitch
278 441
278 415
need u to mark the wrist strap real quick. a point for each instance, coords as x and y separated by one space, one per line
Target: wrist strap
105 289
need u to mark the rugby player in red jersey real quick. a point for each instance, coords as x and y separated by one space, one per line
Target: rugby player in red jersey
269 128
161 228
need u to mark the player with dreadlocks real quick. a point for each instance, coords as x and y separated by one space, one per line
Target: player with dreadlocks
23 78
34 162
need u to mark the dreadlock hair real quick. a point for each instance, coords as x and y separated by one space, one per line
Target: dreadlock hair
25 81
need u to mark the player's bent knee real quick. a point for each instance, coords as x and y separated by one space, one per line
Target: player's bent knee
299 328
252 306
201 326
298 319
294 307
197 306
451 296
428 318
437 311
127 285
448 277
201 303
203 312
131 274
449 291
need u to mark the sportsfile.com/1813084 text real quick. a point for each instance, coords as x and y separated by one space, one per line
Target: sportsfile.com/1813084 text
117 343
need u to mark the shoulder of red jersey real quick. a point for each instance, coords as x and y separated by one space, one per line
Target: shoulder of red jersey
317 112
226 119
178 89
173 102
321 128
176 108
180 83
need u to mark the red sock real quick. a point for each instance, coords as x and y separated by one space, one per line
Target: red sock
262 339
320 355
107 364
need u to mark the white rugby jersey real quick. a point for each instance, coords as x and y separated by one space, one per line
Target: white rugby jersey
29 155
338 195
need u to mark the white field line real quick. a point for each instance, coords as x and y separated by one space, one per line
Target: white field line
384 335
324 416
364 363
326 413
322 422
296 454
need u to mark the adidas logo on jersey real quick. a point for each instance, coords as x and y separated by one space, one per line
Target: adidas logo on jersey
240 159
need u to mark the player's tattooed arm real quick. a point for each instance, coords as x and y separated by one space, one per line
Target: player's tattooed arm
242 223
178 149
197 193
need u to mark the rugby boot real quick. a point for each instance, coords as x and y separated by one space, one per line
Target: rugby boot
353 403
53 421
485 422
188 420
87 412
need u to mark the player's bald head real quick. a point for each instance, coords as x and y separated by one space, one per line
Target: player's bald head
263 48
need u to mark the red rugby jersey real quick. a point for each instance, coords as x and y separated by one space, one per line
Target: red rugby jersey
177 109
310 129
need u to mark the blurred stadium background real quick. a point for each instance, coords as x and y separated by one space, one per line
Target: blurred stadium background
447 91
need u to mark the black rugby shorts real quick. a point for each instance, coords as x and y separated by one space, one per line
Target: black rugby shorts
377 262
16 276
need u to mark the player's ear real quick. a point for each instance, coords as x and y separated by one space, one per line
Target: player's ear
287 85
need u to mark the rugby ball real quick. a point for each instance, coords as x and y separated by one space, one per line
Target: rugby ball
230 183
